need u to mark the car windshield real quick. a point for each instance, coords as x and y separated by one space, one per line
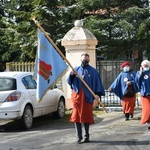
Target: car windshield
7 84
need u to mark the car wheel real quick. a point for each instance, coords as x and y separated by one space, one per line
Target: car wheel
27 118
60 113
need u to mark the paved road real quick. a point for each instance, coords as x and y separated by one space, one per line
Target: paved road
110 132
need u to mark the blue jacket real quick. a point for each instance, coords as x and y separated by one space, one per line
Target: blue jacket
119 85
92 79
143 82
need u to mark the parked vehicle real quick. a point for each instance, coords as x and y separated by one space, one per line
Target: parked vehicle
111 100
18 99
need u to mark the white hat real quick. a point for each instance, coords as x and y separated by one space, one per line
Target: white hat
145 62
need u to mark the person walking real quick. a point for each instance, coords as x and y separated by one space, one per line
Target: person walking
143 82
82 98
125 88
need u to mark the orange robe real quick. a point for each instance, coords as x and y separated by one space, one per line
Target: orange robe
145 109
82 111
128 104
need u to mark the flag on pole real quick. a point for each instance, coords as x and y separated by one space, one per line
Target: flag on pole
49 65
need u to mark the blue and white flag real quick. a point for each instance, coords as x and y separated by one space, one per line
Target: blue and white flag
49 65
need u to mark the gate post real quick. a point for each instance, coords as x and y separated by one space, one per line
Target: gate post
77 41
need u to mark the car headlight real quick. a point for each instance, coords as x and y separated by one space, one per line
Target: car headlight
14 96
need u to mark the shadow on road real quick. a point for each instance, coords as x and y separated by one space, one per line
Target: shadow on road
47 122
131 142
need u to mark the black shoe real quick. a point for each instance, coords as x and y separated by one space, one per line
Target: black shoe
79 141
86 140
148 128
126 119
131 115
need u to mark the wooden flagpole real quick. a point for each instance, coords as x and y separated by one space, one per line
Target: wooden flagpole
62 55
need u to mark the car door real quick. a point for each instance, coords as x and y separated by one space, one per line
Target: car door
30 85
50 100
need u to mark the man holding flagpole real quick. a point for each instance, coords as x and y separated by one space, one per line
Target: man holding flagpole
82 98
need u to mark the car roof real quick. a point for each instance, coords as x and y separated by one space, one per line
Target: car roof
14 74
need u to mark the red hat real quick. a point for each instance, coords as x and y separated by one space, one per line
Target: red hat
126 63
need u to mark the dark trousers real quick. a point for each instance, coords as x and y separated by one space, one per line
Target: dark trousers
78 127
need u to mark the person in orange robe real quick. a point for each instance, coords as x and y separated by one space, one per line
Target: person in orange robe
82 98
143 82
125 88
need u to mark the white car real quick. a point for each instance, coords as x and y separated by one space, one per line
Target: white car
110 99
18 99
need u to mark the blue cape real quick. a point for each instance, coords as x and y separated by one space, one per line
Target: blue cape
119 85
143 82
91 77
